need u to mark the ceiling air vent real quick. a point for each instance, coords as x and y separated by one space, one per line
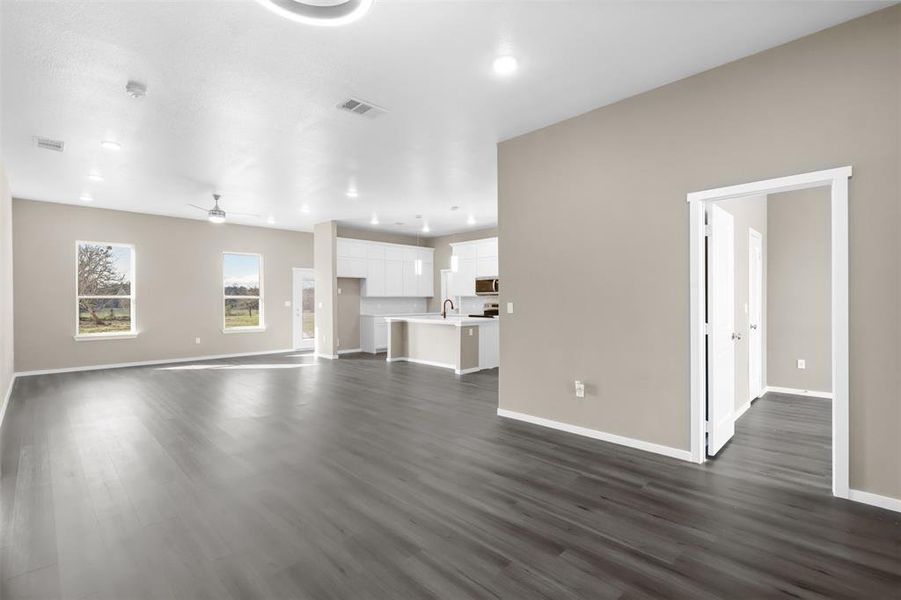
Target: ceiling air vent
360 107
48 144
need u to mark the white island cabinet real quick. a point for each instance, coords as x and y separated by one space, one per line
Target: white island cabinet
463 344
387 270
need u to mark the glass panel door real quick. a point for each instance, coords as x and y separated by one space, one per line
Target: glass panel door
304 309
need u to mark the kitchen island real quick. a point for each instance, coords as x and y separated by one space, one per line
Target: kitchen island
464 344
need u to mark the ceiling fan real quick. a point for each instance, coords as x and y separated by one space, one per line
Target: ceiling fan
216 214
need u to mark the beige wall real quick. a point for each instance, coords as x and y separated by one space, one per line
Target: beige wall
178 285
798 300
747 213
326 281
7 366
443 253
593 209
348 313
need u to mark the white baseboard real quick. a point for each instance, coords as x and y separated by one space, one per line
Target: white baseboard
350 351
797 392
145 363
598 435
428 363
742 409
885 502
328 356
466 371
6 398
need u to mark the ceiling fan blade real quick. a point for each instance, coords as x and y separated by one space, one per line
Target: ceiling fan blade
199 207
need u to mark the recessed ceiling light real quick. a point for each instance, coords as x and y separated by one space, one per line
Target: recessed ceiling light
425 228
94 176
305 208
110 145
86 198
455 208
374 221
505 65
471 220
352 193
325 13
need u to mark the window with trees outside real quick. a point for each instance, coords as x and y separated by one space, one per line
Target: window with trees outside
105 303
242 276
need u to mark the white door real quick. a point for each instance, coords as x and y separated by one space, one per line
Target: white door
721 329
755 313
304 307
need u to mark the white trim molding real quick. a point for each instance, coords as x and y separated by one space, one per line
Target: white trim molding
743 409
419 361
350 351
7 398
147 363
467 371
886 502
327 356
598 435
837 182
796 392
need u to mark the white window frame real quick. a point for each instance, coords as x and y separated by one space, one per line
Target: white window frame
132 297
252 329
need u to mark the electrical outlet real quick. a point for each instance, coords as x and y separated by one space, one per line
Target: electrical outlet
802 364
339 291
196 340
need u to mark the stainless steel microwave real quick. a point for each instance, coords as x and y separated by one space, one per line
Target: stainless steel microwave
487 286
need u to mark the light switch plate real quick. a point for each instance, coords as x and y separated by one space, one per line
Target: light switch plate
288 303
802 364
509 308
196 340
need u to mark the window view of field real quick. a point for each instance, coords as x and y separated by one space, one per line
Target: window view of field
104 289
104 316
308 322
241 288
242 313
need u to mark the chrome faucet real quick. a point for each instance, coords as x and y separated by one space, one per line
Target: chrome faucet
444 308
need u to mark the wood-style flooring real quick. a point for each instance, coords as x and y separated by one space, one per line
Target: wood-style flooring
287 477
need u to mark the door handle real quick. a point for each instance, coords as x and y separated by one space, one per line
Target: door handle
753 326
736 336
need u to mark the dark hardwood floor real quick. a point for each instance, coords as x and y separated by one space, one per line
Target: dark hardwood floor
284 477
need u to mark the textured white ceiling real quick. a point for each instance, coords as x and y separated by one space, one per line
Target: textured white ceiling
243 102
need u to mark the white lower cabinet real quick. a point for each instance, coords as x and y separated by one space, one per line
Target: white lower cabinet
373 333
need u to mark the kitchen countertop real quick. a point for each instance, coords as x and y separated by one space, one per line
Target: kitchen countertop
435 319
423 314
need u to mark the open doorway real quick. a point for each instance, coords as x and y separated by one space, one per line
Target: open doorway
304 309
715 405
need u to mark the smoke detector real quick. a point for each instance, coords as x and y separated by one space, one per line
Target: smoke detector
136 89
362 108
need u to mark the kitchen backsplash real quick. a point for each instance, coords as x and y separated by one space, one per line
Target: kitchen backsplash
392 306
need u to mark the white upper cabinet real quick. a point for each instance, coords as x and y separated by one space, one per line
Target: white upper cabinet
388 270
351 258
477 258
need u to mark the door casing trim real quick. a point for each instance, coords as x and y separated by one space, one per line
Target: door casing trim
837 181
